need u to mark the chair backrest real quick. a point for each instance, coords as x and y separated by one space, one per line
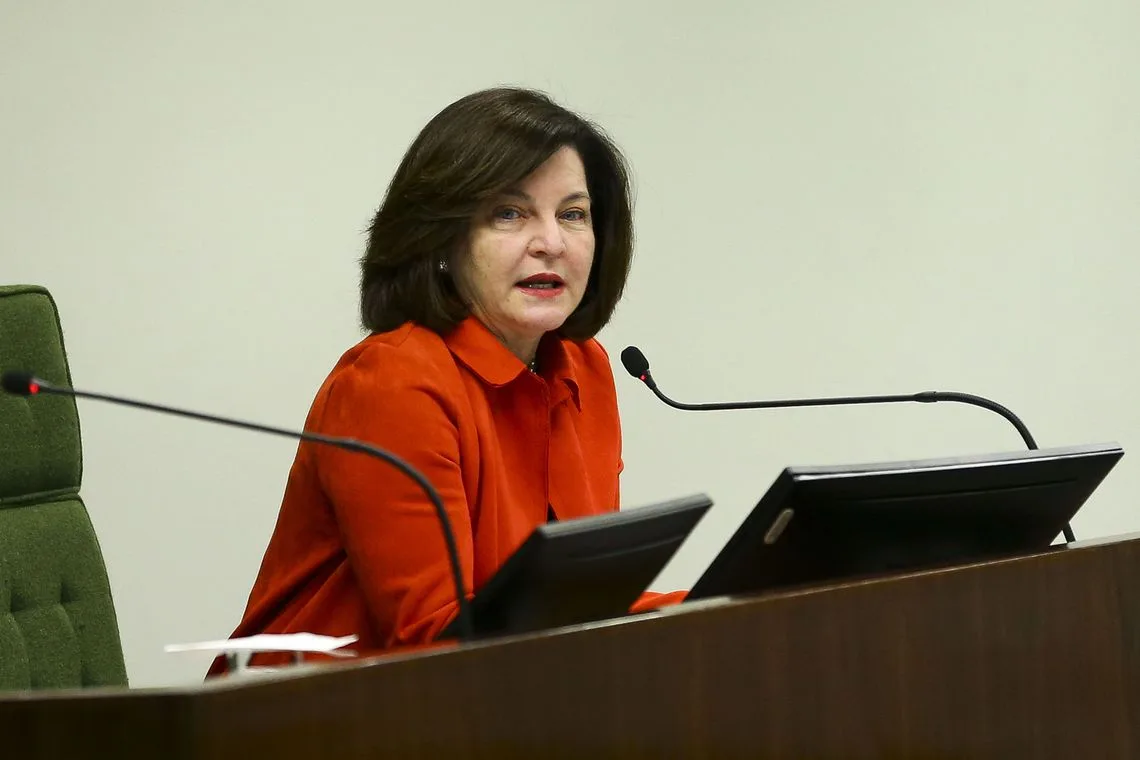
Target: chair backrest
58 627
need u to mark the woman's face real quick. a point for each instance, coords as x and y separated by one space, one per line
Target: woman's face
529 254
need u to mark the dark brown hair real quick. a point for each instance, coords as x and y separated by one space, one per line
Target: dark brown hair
475 149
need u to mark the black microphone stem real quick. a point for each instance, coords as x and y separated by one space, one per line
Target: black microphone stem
924 397
464 614
638 366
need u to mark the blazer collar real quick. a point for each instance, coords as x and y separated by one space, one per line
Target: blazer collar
493 363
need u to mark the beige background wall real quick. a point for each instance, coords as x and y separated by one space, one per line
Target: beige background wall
833 198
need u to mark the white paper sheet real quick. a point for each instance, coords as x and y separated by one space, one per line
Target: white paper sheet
271 642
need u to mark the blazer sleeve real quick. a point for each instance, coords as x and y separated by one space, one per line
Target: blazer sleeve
390 530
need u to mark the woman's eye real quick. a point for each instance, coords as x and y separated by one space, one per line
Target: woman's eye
574 215
507 214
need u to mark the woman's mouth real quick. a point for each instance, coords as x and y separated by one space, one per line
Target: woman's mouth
542 285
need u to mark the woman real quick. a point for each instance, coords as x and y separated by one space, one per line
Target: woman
501 248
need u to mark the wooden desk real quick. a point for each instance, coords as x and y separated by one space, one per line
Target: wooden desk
1036 656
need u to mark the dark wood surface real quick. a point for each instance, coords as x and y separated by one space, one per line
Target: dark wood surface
1030 657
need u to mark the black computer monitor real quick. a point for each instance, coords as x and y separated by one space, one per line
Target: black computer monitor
818 524
582 570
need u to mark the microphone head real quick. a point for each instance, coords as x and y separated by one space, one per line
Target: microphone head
19 383
635 362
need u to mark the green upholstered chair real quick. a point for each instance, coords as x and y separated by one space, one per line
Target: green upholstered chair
58 627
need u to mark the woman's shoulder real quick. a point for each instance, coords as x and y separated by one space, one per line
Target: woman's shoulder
410 355
589 352
590 362
401 383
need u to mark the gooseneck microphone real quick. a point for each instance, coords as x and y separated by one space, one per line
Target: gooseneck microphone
25 384
637 365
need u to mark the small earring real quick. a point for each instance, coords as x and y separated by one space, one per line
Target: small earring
443 265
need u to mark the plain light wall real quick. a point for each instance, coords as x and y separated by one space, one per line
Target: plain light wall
832 198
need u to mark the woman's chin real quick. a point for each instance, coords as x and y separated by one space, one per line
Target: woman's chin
538 321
